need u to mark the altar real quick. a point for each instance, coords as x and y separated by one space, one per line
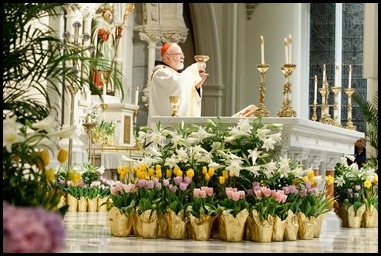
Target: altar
317 145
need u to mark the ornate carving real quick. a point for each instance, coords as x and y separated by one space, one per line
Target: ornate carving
250 7
150 36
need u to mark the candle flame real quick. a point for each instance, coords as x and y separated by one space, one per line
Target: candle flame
262 40
350 68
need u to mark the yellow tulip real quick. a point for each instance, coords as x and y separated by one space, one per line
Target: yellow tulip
62 155
44 159
168 173
211 171
204 170
207 177
190 173
221 179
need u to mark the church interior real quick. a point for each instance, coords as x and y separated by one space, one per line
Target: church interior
311 68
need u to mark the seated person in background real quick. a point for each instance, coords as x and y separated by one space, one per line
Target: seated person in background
360 152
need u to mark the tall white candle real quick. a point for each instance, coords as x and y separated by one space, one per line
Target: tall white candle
337 69
137 95
324 73
285 51
262 50
350 77
289 49
315 89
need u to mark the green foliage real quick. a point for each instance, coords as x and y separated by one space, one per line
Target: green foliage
370 111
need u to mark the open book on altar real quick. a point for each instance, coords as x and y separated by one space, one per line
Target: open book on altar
246 111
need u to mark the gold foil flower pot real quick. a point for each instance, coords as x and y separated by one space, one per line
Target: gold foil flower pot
201 227
370 218
355 218
137 226
72 202
291 227
92 204
162 229
318 225
149 223
306 227
103 204
82 204
232 228
176 225
120 223
278 229
262 230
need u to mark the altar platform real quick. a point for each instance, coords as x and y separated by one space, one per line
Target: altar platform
315 144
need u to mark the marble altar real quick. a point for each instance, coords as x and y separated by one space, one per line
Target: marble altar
316 145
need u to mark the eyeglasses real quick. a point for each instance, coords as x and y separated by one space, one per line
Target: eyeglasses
179 53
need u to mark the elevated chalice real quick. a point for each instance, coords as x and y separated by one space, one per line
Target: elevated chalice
201 58
175 102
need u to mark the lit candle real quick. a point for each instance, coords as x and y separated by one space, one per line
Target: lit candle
286 51
324 74
137 95
350 77
262 50
289 49
315 90
337 69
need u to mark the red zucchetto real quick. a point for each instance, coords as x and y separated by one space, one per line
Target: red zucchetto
165 48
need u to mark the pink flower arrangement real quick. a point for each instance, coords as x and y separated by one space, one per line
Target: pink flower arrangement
31 230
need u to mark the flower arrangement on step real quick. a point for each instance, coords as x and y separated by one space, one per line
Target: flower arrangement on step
356 190
224 159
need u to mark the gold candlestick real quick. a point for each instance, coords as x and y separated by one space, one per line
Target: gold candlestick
314 115
287 110
89 129
349 92
325 117
262 109
336 90
175 102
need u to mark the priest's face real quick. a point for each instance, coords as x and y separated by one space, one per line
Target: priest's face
175 58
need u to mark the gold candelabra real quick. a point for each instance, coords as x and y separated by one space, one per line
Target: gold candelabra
262 109
325 117
286 109
336 90
349 92
175 102
89 129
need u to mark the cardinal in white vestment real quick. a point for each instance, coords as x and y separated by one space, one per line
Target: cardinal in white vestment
169 79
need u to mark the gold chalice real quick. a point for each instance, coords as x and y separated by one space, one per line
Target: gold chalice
202 58
175 102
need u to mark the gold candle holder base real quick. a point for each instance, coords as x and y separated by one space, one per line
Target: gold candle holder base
287 109
336 90
262 109
314 109
349 124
